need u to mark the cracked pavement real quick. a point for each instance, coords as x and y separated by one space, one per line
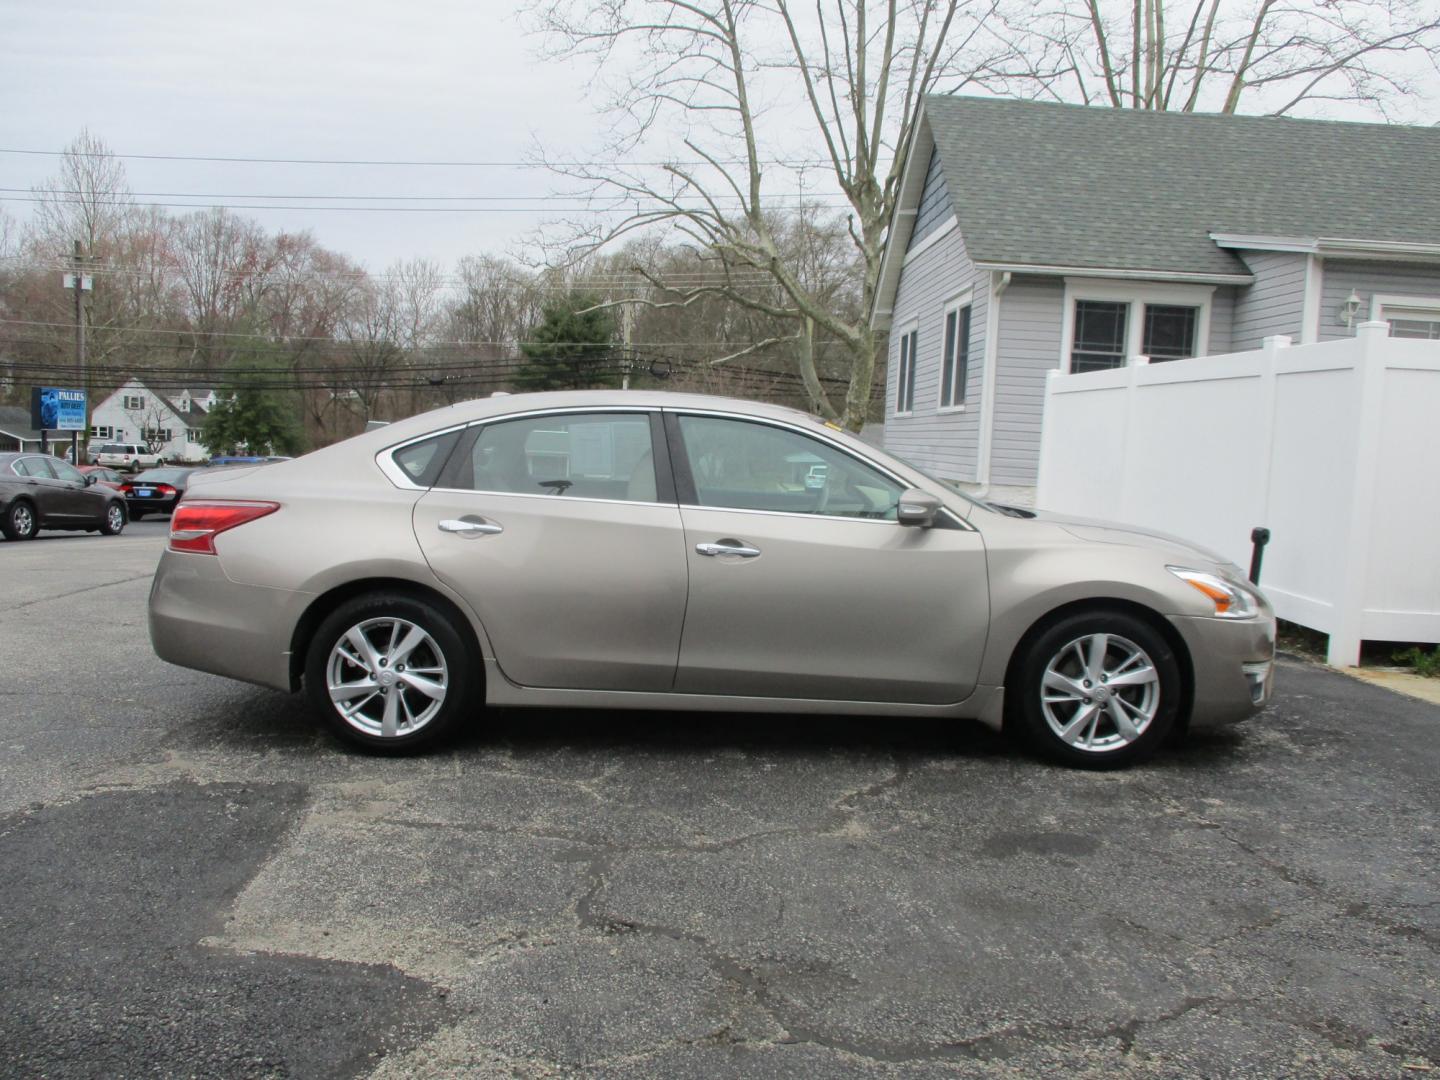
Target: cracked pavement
198 880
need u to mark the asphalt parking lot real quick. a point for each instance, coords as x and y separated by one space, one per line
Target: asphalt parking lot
198 881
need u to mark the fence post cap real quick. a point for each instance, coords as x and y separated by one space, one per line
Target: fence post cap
1276 341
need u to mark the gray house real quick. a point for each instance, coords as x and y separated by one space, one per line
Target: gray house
1033 236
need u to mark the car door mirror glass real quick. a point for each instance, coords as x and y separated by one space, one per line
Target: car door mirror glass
89 479
917 508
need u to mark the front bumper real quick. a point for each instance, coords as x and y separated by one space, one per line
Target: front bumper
201 619
1233 663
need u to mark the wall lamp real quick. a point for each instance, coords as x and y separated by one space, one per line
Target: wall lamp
1351 309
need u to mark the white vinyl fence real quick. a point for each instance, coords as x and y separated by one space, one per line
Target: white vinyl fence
1334 447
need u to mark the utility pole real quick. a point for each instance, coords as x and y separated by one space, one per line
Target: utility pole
81 283
627 327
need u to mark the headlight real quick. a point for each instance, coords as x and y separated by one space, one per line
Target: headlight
1231 601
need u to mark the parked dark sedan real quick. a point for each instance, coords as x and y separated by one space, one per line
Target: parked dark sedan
154 491
38 491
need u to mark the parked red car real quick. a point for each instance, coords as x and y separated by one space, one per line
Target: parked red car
108 477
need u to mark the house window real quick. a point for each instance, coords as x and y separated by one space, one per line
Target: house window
1408 316
905 383
102 431
1169 332
158 435
1107 322
955 369
134 401
1099 335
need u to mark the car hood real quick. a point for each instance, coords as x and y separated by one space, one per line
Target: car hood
1098 531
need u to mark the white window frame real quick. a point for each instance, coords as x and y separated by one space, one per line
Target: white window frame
954 304
132 402
103 432
1136 294
1424 307
905 366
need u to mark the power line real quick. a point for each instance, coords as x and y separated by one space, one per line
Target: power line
788 162
121 195
248 335
659 208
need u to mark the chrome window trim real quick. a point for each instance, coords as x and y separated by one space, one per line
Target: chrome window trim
905 485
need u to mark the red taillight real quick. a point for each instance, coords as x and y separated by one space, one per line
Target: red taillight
196 523
164 489
127 488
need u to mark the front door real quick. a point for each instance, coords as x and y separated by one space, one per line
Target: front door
566 540
802 583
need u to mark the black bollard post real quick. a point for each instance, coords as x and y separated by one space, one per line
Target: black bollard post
1259 537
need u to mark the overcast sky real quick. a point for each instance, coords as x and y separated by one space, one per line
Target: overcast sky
452 80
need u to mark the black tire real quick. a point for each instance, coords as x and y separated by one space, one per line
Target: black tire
447 648
20 522
114 523
1150 707
134 467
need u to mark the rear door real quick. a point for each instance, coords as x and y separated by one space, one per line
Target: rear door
565 537
803 584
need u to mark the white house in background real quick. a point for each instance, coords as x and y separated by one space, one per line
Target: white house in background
1030 237
136 413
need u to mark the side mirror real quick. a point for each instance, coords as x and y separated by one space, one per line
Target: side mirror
89 479
917 508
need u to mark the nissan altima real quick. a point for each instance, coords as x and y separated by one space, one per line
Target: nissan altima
663 551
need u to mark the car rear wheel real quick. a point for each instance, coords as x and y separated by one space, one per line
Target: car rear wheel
114 520
1099 689
389 672
19 522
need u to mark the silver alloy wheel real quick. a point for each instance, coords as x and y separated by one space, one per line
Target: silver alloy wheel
1100 692
22 519
387 677
115 518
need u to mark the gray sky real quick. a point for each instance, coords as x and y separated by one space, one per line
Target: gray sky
452 80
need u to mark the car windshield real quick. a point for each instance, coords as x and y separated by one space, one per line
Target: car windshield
162 476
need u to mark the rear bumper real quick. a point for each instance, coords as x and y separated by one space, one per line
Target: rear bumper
201 619
1233 662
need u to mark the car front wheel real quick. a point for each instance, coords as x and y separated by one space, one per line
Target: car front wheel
390 672
19 522
114 520
1098 689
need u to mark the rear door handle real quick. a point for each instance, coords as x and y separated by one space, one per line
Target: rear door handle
728 547
470 527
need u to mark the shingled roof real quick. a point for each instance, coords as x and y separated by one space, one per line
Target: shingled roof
1043 184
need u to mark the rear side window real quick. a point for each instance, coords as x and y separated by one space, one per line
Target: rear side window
588 456
35 466
422 461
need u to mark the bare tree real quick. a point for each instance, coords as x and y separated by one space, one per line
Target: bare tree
87 200
1268 56
713 70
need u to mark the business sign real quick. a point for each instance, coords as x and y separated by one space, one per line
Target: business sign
54 409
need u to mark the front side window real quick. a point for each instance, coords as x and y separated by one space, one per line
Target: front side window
744 465
956 369
1100 327
1169 332
66 471
580 455
905 381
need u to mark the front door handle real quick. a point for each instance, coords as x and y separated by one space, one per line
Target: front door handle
728 547
470 527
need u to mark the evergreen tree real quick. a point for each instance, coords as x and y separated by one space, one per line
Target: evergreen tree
254 412
571 348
